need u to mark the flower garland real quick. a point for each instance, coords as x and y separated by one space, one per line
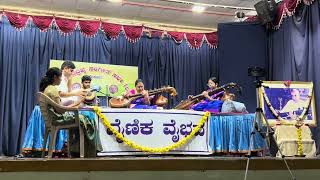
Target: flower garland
180 143
299 141
282 121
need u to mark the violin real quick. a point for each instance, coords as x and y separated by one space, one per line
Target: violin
124 102
186 104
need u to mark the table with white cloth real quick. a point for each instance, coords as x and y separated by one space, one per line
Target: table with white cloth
287 140
221 133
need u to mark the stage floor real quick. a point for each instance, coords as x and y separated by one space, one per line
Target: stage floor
152 163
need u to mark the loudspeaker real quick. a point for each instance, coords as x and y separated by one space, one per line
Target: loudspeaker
266 10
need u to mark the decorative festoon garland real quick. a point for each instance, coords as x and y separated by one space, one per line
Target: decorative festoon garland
299 140
90 28
133 145
282 121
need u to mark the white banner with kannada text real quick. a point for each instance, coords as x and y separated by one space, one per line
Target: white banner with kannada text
154 129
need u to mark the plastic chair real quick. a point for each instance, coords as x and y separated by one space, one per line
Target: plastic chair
52 126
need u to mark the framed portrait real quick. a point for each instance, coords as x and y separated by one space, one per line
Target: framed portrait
288 102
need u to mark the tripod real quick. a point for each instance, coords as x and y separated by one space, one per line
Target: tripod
260 116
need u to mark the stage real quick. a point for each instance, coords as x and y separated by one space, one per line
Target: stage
152 163
157 167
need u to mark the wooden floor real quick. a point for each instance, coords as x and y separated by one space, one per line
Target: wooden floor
154 163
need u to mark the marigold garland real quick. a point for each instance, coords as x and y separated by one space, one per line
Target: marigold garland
180 143
299 120
299 141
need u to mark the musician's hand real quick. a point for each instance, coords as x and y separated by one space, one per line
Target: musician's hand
81 93
82 99
145 93
77 103
98 101
126 95
120 97
205 94
190 97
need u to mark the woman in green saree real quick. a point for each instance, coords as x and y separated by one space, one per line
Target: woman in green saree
48 86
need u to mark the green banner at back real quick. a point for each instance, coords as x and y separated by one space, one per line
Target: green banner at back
114 80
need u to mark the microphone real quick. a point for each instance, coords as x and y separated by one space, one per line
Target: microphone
96 88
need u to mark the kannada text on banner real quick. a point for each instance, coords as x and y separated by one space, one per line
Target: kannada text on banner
154 129
114 80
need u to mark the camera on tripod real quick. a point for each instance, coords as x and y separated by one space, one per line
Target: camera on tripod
256 71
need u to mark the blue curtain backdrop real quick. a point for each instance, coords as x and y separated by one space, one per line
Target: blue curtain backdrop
25 55
242 45
294 51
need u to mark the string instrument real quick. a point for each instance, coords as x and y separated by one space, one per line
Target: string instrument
186 104
124 102
90 98
161 101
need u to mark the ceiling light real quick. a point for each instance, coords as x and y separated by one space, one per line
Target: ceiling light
240 14
115 1
198 9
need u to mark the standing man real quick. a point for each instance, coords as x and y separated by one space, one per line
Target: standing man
69 97
65 88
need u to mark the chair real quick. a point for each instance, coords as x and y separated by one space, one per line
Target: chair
52 127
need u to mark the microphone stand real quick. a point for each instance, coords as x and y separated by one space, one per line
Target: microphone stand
107 97
99 91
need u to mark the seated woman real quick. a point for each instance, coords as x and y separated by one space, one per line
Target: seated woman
48 86
212 103
145 102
